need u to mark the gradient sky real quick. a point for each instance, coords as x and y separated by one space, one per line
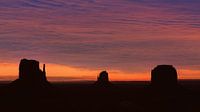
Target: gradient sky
79 38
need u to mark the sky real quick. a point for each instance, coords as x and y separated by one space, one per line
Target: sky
77 39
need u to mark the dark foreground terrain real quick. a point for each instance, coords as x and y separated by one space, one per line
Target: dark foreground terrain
86 97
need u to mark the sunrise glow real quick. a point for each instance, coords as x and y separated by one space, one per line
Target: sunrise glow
77 39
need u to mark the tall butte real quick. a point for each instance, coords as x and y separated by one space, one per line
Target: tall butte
30 75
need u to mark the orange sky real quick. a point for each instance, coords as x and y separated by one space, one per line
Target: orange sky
79 38
57 72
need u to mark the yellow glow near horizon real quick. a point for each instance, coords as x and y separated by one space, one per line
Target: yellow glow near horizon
9 71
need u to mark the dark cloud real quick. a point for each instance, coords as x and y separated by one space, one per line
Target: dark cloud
129 35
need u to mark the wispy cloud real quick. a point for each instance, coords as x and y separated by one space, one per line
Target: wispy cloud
127 35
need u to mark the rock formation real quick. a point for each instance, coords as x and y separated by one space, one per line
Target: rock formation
103 79
31 75
164 76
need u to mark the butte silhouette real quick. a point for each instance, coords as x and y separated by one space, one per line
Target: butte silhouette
164 76
103 79
30 75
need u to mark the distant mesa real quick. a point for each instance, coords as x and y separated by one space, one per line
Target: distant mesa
103 79
164 76
31 75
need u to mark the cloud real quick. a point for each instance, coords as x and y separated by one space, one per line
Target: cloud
127 35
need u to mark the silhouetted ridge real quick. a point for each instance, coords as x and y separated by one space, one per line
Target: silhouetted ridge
103 79
164 75
31 75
